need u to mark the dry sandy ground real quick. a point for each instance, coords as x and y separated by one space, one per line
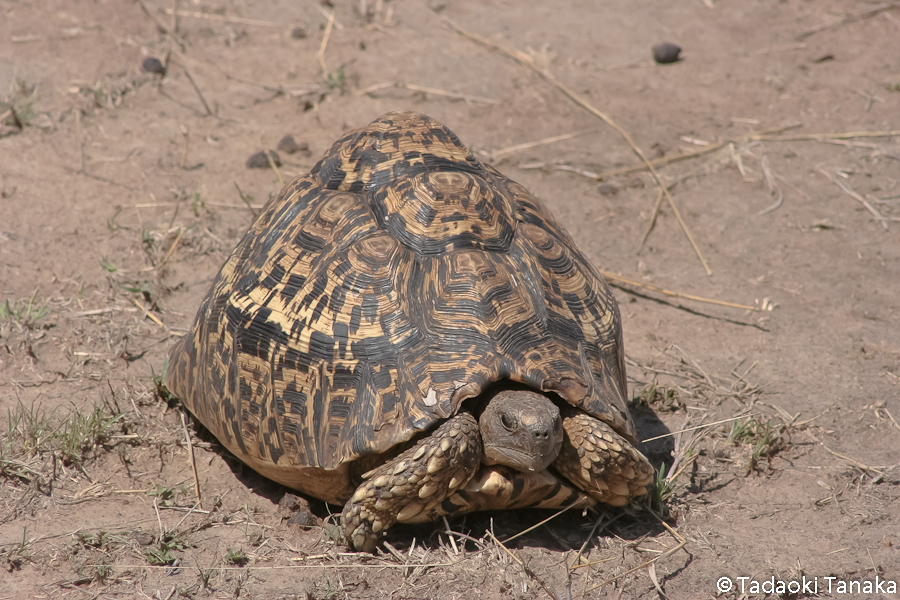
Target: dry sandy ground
119 203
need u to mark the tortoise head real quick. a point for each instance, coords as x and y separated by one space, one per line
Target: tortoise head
521 429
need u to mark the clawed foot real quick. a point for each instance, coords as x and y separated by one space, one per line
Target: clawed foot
415 481
600 462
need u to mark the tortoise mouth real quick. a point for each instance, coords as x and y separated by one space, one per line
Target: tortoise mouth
495 454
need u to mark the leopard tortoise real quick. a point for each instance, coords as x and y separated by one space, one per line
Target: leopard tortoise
409 333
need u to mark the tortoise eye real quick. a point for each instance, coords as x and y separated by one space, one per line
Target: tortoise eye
506 422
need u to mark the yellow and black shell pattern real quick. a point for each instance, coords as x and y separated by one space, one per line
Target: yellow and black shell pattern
375 294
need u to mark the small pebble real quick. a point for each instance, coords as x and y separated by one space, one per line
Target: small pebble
295 511
289 146
298 33
607 189
666 53
151 64
303 519
259 160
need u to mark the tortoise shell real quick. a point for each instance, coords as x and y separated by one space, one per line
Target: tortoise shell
374 295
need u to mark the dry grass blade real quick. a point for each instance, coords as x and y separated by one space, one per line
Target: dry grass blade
536 525
450 536
153 18
347 565
321 53
581 550
80 135
171 249
147 314
527 145
652 222
272 164
849 18
619 279
193 83
825 136
771 186
862 466
187 144
190 447
891 417
528 61
425 90
702 426
223 18
247 199
651 571
769 135
850 192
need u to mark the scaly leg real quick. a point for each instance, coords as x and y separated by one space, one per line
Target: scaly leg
599 461
498 487
415 481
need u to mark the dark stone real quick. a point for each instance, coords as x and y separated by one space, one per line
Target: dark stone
295 510
259 160
289 146
607 189
666 53
152 64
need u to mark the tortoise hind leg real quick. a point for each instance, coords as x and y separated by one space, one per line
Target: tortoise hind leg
599 461
415 481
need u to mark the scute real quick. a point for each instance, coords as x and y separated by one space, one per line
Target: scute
373 296
433 213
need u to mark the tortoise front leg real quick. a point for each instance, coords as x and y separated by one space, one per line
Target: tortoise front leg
415 481
599 461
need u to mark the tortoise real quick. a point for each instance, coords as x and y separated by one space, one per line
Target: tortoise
409 333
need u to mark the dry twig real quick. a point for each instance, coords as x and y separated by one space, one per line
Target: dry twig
618 278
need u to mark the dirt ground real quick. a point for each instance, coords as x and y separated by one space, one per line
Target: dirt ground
122 191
